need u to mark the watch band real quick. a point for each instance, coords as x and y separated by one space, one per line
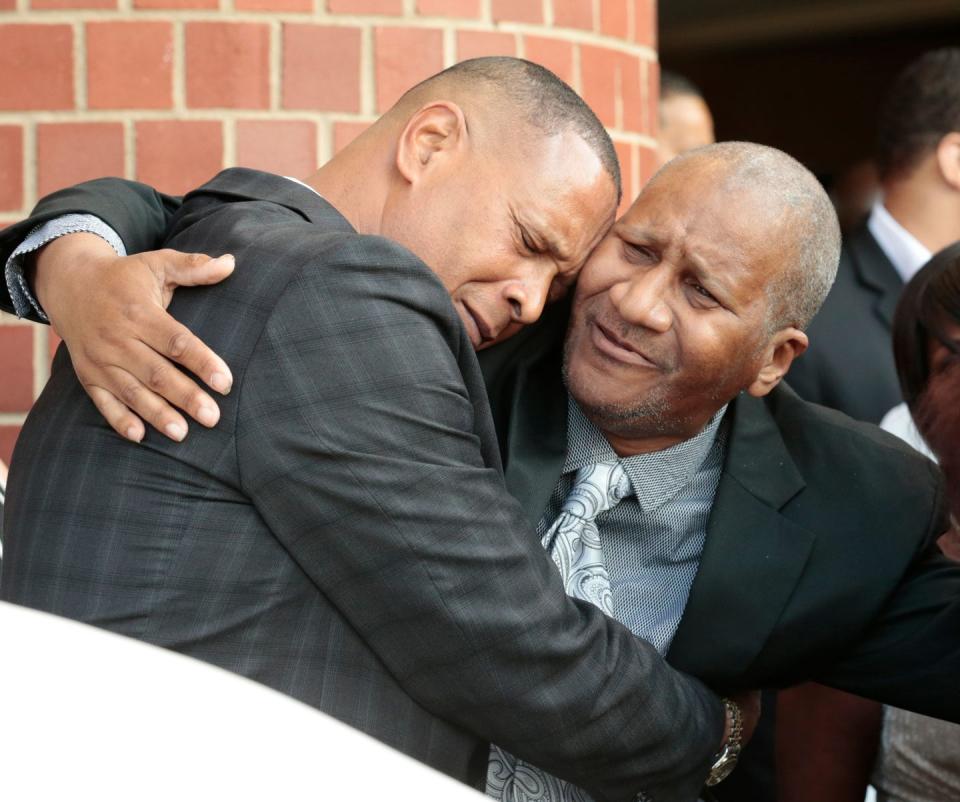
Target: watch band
726 758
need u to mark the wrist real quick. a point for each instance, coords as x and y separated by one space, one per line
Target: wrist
45 268
726 758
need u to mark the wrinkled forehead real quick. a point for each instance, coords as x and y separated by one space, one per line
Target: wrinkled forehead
704 195
707 222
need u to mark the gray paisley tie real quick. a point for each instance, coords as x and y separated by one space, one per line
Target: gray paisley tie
574 543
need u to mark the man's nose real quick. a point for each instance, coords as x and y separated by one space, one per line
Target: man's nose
528 297
642 300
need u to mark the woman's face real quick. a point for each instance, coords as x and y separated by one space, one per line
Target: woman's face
938 416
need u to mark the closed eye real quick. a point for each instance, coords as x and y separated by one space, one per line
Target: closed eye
703 291
638 253
703 296
527 240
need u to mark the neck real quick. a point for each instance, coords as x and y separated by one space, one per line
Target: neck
925 207
627 446
353 182
628 443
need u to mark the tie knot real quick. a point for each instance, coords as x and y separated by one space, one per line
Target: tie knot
596 489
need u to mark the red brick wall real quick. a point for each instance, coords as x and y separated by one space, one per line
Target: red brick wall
171 91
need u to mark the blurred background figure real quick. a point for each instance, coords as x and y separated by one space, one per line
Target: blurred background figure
827 740
849 365
3 491
919 758
854 191
685 119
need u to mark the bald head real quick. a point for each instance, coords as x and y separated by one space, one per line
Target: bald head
792 210
501 96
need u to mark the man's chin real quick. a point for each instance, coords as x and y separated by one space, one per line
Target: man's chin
604 403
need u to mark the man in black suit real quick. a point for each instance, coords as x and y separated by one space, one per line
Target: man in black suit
849 365
344 533
693 293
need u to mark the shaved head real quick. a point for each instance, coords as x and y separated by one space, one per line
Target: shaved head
502 95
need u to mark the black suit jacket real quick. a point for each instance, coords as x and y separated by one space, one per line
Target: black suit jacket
849 365
344 534
820 560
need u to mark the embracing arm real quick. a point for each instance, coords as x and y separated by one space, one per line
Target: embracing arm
910 656
109 309
137 213
356 441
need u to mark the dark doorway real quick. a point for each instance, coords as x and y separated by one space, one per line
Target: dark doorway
807 80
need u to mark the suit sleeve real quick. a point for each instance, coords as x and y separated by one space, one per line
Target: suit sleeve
910 656
356 441
138 213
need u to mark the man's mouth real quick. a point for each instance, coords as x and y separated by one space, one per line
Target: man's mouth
609 344
479 330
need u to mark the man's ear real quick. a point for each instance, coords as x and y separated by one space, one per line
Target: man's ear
785 346
437 129
948 159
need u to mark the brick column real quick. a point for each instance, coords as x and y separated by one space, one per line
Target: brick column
171 91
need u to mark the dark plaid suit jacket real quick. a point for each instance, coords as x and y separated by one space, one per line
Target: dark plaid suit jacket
344 534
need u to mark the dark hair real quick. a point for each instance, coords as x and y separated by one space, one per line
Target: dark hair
922 107
929 303
673 83
543 100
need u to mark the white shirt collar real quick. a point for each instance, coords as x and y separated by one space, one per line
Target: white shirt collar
298 181
905 251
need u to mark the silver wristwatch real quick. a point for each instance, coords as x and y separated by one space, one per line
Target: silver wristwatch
726 759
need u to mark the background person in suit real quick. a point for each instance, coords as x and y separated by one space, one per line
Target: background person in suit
344 533
850 367
777 543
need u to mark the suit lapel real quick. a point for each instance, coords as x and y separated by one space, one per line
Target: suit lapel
875 271
529 404
537 436
242 184
753 555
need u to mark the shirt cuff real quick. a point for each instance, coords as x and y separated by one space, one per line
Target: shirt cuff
22 297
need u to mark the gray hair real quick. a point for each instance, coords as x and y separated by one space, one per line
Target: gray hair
802 218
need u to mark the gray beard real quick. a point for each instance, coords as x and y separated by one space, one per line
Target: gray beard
646 416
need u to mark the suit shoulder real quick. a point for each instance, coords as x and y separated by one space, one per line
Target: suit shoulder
830 444
375 269
367 280
269 239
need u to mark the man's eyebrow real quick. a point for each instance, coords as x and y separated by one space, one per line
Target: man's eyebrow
542 241
701 268
638 233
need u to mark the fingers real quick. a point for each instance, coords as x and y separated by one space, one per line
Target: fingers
126 402
124 345
121 419
175 341
194 269
165 383
146 392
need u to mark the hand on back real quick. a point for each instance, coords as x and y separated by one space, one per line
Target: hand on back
125 347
